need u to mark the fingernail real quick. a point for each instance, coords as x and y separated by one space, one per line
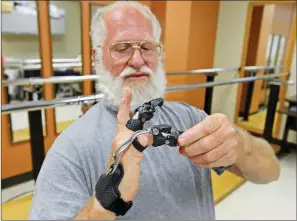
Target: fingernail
123 100
181 140
181 151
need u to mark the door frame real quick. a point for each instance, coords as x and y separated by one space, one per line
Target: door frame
288 57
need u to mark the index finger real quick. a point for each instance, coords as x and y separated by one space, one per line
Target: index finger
124 109
209 125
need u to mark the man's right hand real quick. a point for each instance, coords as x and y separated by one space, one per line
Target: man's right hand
130 160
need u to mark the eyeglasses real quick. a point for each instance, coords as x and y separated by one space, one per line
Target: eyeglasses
124 50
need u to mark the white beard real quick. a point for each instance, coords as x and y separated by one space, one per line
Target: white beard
142 91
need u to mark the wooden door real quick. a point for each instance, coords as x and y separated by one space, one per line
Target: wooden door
274 34
282 22
16 156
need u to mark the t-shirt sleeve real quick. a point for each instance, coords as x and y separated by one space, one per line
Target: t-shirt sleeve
61 190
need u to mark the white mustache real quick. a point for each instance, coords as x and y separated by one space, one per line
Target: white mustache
130 71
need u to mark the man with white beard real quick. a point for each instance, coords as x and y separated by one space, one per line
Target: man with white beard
161 182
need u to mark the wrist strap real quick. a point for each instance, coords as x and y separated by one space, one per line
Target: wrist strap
120 207
108 194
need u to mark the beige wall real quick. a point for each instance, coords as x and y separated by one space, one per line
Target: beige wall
228 53
292 89
67 46
290 92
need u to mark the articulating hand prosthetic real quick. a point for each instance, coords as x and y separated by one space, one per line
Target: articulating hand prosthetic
107 192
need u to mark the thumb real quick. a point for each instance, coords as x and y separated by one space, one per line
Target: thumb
124 109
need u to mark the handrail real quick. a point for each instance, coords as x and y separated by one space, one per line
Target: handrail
37 105
33 66
220 83
11 61
63 79
41 81
43 104
220 70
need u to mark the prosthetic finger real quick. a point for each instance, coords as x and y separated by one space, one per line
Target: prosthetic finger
165 134
144 113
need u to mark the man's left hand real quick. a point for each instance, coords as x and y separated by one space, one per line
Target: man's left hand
211 143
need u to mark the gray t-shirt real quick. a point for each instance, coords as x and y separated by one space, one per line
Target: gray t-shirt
171 186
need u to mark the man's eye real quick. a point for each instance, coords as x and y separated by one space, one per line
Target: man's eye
121 48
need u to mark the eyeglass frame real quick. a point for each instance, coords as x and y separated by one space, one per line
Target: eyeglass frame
133 47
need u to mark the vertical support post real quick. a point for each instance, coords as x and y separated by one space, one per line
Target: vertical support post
271 108
86 47
208 93
36 132
45 45
249 96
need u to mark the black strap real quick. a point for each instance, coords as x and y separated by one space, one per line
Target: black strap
120 207
108 194
138 146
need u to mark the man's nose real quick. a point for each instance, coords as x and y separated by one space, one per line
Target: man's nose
136 61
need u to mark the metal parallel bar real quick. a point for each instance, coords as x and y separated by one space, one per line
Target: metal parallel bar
9 61
204 71
220 70
257 68
34 64
39 105
34 81
41 81
29 106
38 66
219 83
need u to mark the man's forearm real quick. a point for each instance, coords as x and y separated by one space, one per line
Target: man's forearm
94 211
256 161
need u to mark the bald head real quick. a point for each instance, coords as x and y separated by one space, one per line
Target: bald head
123 10
127 24
125 19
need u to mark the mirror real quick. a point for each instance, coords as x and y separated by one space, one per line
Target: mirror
66 49
20 49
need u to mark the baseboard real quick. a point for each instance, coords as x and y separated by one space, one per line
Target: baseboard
18 179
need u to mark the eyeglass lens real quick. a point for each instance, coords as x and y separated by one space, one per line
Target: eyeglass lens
122 50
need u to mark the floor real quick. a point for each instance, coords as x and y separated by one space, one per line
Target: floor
275 201
249 202
256 122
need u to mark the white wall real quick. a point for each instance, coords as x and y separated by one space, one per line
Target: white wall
228 53
67 46
292 137
292 89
